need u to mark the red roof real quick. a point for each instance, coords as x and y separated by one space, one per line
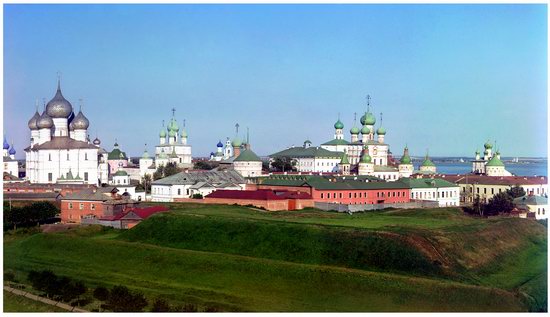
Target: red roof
260 194
143 213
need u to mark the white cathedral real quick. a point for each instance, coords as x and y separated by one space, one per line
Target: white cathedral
60 150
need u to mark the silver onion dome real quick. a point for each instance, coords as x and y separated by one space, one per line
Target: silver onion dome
32 121
59 107
71 126
44 121
80 122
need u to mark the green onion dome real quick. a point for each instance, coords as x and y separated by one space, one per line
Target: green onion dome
381 131
427 162
162 133
145 155
183 133
366 158
477 151
344 159
488 145
406 159
365 130
236 142
172 133
338 124
368 119
173 125
354 130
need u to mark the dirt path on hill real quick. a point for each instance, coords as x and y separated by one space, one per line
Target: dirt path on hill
44 300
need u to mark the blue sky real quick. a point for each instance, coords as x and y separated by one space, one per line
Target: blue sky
446 77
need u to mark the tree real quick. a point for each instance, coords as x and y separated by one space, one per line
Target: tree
146 183
166 170
197 196
121 299
283 164
101 293
516 191
160 305
500 203
204 165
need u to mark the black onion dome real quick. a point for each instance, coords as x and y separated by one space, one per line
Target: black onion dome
32 121
80 122
59 107
44 121
97 141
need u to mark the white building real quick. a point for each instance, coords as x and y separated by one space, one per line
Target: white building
490 164
248 164
533 203
434 189
59 144
121 180
311 158
173 145
186 184
10 163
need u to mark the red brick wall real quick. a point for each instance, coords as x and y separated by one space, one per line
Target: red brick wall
75 213
372 196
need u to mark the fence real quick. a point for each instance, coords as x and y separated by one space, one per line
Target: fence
367 207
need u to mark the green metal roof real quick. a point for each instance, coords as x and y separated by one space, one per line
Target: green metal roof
494 161
300 152
121 173
345 159
333 183
427 182
247 156
117 154
336 142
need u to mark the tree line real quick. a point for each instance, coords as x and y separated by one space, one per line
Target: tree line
29 215
500 203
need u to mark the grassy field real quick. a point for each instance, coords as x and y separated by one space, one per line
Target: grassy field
237 259
17 304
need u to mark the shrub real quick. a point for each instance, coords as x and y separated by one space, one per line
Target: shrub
101 293
121 299
197 196
81 302
160 305
9 276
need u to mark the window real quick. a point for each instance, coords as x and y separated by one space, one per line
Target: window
92 206
81 206
321 195
49 157
86 176
70 205
50 177
67 155
492 191
349 195
485 190
179 191
85 156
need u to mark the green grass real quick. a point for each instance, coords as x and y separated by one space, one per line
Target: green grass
237 283
16 303
237 259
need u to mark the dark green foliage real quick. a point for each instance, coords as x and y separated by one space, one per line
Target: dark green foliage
29 215
361 249
9 276
81 302
283 164
500 203
197 196
205 165
166 170
516 191
101 293
160 305
121 299
62 287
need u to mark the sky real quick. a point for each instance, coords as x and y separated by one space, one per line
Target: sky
446 77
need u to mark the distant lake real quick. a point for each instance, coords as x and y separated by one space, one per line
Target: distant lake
520 169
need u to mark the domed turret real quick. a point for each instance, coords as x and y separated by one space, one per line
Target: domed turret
6 144
183 133
406 159
338 124
145 154
80 122
366 158
488 145
365 130
172 133
368 119
162 133
32 121
59 107
354 130
236 142
44 121
96 141
220 144
12 150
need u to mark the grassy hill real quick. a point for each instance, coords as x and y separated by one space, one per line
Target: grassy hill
238 259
